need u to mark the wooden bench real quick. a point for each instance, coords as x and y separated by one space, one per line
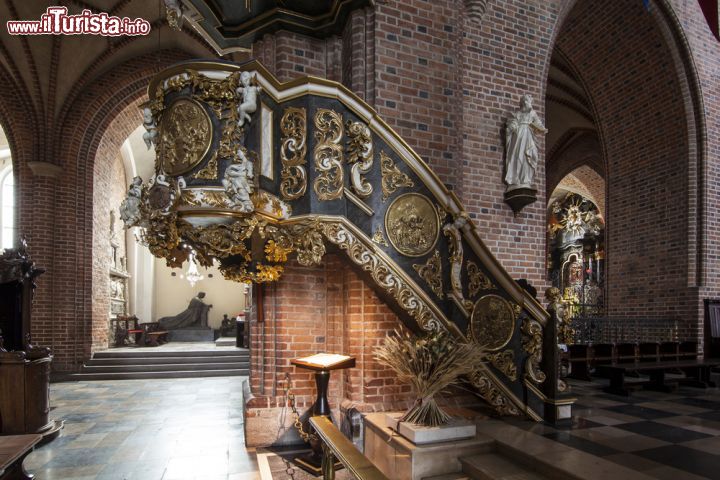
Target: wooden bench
697 371
154 339
13 450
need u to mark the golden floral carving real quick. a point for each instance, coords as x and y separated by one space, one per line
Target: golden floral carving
505 362
491 394
532 344
263 273
492 322
185 136
477 279
328 154
454 234
431 272
383 274
392 177
221 241
293 177
412 224
360 156
210 172
276 253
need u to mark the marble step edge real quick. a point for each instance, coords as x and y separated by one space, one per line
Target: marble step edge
74 377
166 367
495 465
149 353
167 360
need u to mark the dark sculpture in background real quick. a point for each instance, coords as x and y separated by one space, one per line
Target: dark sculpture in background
195 316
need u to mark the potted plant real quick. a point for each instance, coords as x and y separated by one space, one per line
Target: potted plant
430 364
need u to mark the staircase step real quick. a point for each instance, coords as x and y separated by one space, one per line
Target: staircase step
167 367
149 353
149 375
450 476
167 360
495 466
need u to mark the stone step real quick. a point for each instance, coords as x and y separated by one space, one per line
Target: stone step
149 353
226 342
496 466
450 476
149 375
168 367
167 360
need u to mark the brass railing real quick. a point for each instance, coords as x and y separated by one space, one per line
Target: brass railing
336 446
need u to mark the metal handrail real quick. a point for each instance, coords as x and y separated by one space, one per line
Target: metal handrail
337 446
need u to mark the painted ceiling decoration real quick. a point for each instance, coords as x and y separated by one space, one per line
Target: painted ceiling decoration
250 173
233 25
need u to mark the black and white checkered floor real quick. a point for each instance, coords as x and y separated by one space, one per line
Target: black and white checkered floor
664 435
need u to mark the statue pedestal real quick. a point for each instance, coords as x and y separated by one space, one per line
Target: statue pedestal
519 198
200 334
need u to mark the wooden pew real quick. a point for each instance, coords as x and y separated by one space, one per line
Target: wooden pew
13 450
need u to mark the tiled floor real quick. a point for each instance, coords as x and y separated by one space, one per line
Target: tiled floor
664 435
147 430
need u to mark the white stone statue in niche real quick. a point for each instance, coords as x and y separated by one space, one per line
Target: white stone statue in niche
150 136
249 97
521 152
238 182
130 207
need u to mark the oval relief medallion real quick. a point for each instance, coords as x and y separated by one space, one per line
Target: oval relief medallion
493 322
412 224
185 136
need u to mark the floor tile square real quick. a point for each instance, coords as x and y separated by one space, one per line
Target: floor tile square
667 433
684 458
583 444
637 411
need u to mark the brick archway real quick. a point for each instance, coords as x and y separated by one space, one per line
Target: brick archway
644 100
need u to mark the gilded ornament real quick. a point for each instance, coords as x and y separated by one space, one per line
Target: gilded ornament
210 171
276 253
454 234
392 177
360 156
192 198
477 279
492 322
383 274
431 272
328 154
412 224
185 136
532 344
491 394
293 177
263 273
379 238
222 241
505 362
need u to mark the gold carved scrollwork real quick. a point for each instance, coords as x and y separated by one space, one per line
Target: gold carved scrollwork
221 241
383 275
491 394
305 238
392 177
478 280
328 154
263 273
210 172
412 224
360 156
505 362
454 234
431 272
532 344
185 136
492 322
293 177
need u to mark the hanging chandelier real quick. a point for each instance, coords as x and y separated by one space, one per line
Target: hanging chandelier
192 275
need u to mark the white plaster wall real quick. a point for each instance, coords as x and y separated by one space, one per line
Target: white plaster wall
173 294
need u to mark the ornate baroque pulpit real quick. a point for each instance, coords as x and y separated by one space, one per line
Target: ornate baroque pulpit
24 368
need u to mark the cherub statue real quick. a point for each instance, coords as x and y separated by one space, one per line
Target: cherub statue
150 136
521 151
249 98
238 182
130 207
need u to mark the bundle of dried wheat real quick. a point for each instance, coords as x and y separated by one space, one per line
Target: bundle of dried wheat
430 364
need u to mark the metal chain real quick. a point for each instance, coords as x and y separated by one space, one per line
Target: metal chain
298 424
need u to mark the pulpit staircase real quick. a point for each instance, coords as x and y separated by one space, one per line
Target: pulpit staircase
145 363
